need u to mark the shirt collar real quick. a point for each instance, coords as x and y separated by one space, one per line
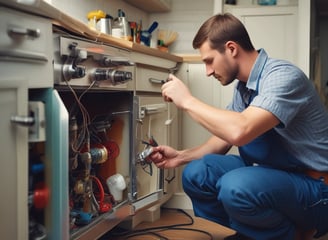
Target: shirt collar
254 77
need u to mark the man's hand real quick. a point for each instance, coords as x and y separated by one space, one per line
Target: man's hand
164 157
174 90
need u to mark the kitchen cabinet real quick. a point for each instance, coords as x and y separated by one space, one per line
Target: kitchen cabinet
283 30
26 74
134 113
14 159
274 28
28 46
26 145
26 43
208 90
22 199
151 6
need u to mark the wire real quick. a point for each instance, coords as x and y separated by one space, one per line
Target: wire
148 233
84 132
154 230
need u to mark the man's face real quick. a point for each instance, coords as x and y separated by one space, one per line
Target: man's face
221 65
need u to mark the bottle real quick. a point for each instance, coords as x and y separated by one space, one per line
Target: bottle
121 27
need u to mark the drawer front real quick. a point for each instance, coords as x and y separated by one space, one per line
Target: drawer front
26 45
150 80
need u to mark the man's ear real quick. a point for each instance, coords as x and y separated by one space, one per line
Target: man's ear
232 48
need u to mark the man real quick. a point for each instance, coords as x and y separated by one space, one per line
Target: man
278 184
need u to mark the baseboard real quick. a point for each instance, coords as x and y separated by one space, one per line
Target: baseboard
179 200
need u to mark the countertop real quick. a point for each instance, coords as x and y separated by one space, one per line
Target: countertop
44 9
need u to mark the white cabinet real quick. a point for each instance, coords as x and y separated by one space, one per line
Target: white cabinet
208 90
274 28
26 41
211 92
26 57
14 159
283 30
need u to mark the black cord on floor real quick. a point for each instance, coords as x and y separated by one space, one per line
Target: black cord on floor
148 233
154 230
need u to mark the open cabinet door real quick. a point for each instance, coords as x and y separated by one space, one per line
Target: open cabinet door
55 147
150 131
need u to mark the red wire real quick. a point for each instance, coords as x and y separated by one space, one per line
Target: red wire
100 187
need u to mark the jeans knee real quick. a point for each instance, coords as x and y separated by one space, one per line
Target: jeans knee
192 176
234 192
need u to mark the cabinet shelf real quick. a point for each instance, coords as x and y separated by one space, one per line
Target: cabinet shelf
151 6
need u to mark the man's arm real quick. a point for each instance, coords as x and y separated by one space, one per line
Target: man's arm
234 127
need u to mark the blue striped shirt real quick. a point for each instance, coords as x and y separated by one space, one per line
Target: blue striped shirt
284 90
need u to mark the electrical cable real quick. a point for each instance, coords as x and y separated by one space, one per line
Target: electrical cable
148 233
154 230
84 132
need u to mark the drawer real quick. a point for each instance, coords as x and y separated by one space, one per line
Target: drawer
26 47
150 79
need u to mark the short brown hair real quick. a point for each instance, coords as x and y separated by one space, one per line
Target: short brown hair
221 28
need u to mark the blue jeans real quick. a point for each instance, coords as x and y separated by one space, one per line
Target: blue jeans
258 201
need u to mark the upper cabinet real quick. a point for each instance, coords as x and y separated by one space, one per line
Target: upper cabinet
151 6
282 30
265 24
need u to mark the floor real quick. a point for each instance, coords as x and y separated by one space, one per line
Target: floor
173 224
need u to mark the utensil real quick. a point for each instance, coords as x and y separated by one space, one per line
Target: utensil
167 36
146 34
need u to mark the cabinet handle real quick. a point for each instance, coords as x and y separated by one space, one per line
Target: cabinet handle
156 81
23 121
21 55
18 31
152 109
116 61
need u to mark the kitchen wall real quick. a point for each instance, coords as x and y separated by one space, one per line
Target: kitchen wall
185 17
79 9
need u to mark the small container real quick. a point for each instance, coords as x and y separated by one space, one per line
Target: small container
122 23
93 17
117 32
104 25
116 185
154 39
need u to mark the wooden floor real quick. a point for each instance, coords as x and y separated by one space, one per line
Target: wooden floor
180 226
170 218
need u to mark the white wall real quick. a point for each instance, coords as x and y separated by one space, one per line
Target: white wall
185 17
79 9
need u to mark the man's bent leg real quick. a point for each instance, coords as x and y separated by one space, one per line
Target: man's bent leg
199 182
265 203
